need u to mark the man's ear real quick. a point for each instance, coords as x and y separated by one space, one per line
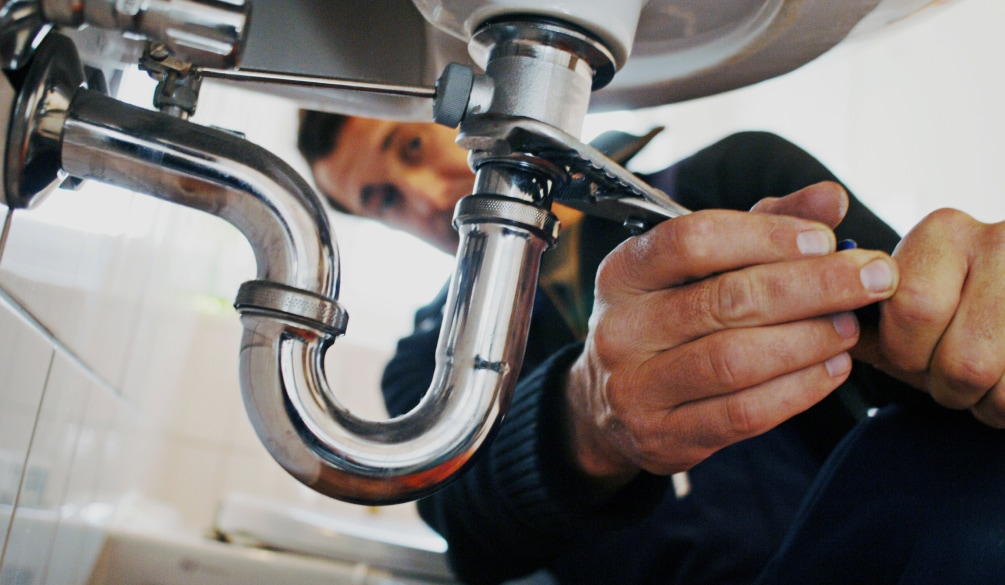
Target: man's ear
825 202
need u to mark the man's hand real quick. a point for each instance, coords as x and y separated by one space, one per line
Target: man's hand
944 329
712 328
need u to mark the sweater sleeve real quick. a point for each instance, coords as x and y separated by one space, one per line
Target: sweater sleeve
520 504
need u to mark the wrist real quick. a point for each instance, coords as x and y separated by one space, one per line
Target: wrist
591 442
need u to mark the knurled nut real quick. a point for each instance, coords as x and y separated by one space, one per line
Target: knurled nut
286 301
499 209
453 90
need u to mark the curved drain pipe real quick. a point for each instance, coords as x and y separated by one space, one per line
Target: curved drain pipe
290 313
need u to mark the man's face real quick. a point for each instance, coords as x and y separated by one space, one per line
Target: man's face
408 175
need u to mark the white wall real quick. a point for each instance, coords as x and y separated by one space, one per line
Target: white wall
911 119
140 291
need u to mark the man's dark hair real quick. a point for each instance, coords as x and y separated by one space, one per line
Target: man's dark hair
316 139
318 133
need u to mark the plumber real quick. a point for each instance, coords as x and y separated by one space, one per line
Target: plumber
737 347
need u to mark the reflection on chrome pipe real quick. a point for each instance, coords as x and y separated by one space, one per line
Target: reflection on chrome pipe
205 32
291 315
477 361
210 170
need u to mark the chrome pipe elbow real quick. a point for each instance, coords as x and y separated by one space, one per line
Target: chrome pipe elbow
212 171
478 358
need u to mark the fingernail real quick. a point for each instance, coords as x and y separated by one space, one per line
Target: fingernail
838 365
877 276
814 243
845 324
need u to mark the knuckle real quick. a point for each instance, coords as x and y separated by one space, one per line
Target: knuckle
835 282
619 399
917 306
605 341
611 268
741 421
628 262
720 363
736 298
922 310
947 218
991 417
971 374
614 336
943 221
694 239
947 395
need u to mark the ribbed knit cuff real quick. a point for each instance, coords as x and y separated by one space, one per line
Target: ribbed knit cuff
530 465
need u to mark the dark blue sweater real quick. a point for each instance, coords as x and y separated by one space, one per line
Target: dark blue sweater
520 506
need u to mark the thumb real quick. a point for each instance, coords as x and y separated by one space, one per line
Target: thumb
825 202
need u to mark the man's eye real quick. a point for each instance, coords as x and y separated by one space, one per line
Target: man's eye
411 151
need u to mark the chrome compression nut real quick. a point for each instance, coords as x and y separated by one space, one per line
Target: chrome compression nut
274 299
506 210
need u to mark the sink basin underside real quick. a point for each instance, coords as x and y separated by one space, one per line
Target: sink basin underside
683 49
